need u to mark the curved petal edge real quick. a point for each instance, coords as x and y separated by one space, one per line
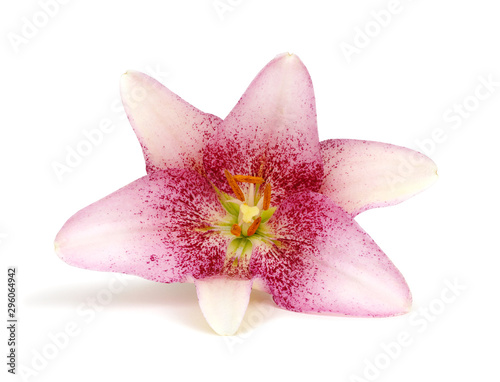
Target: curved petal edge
360 175
271 132
147 229
223 302
326 263
171 131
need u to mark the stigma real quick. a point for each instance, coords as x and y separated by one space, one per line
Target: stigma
248 213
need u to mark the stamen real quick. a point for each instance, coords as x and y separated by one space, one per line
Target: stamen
253 228
236 230
249 179
267 197
234 186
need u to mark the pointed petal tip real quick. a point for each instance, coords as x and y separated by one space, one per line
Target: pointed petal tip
360 175
223 302
399 310
396 304
407 307
63 238
432 170
57 249
402 302
59 243
133 81
129 76
436 175
125 76
288 57
403 306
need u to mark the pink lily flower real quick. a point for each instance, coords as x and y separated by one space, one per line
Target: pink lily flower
251 201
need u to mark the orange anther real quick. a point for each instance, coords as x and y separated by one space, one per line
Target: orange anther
267 197
234 186
253 228
236 230
249 179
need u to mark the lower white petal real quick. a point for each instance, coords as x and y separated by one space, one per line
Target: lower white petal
223 301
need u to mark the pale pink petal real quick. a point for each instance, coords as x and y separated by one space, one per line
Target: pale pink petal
360 175
327 263
172 132
153 228
271 132
223 302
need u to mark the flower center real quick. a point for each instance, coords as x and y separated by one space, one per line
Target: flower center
247 214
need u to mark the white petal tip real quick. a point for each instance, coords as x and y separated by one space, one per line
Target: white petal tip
125 75
130 77
223 302
287 57
403 306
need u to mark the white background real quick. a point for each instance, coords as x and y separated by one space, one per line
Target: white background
64 80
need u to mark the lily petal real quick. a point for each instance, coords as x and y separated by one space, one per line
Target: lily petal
172 132
153 228
327 263
223 302
271 132
360 175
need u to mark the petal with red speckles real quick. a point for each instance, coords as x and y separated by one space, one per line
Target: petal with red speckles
271 132
172 132
153 228
360 175
223 301
327 263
